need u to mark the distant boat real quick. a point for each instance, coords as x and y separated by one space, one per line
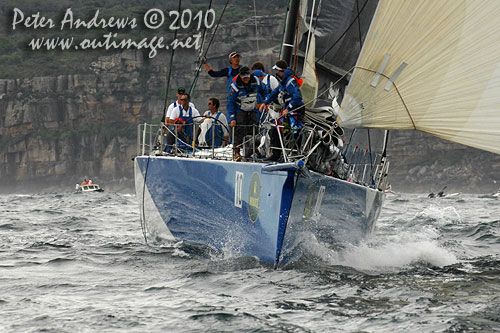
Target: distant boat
88 188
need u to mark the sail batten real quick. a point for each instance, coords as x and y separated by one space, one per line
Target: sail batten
451 84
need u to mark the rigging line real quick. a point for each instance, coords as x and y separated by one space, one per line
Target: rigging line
317 15
310 29
256 30
165 104
297 30
382 74
367 130
143 220
200 55
370 154
208 47
205 30
397 90
327 89
187 144
343 34
359 27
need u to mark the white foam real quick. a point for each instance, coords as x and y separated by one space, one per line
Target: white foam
443 215
385 253
395 256
179 253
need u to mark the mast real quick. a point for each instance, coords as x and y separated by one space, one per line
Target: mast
291 24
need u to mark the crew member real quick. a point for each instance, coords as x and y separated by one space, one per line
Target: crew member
242 106
180 91
268 80
183 117
288 94
230 72
219 125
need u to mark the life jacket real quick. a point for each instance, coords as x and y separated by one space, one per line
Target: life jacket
246 99
299 81
188 127
219 133
284 98
268 84
230 77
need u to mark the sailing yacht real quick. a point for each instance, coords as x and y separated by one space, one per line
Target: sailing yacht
425 65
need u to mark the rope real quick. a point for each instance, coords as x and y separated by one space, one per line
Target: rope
256 29
343 34
197 73
188 145
165 104
297 31
143 215
359 27
368 130
310 31
200 56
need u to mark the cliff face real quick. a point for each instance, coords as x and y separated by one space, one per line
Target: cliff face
421 162
70 126
55 130
59 129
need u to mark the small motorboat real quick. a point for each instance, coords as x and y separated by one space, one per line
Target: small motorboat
88 188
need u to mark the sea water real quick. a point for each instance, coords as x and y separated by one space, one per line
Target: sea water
79 263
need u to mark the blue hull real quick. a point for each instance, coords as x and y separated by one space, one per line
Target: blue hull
243 209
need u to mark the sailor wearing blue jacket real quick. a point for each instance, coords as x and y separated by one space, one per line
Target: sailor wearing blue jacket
287 94
242 105
230 72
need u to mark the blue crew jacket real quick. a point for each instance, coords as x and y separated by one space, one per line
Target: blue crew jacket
239 90
292 97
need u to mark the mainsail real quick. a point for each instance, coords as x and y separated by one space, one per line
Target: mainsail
432 66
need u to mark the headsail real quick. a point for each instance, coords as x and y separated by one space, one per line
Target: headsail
444 60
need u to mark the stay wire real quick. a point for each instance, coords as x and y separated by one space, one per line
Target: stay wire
346 30
143 215
193 84
165 104
208 47
367 130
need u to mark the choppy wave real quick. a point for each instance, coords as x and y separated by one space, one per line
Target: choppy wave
80 263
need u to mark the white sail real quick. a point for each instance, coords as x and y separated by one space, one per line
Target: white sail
309 88
444 59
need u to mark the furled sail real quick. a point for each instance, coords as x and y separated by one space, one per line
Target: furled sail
309 87
432 66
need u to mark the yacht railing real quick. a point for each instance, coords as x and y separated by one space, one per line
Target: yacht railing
354 164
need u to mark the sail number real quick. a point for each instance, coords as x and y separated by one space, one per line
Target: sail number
238 189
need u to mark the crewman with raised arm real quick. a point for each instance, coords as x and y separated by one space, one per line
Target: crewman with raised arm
230 72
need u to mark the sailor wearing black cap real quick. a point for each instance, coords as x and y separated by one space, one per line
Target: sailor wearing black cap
242 105
168 118
230 72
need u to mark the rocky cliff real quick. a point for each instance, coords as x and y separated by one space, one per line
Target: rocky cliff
55 130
